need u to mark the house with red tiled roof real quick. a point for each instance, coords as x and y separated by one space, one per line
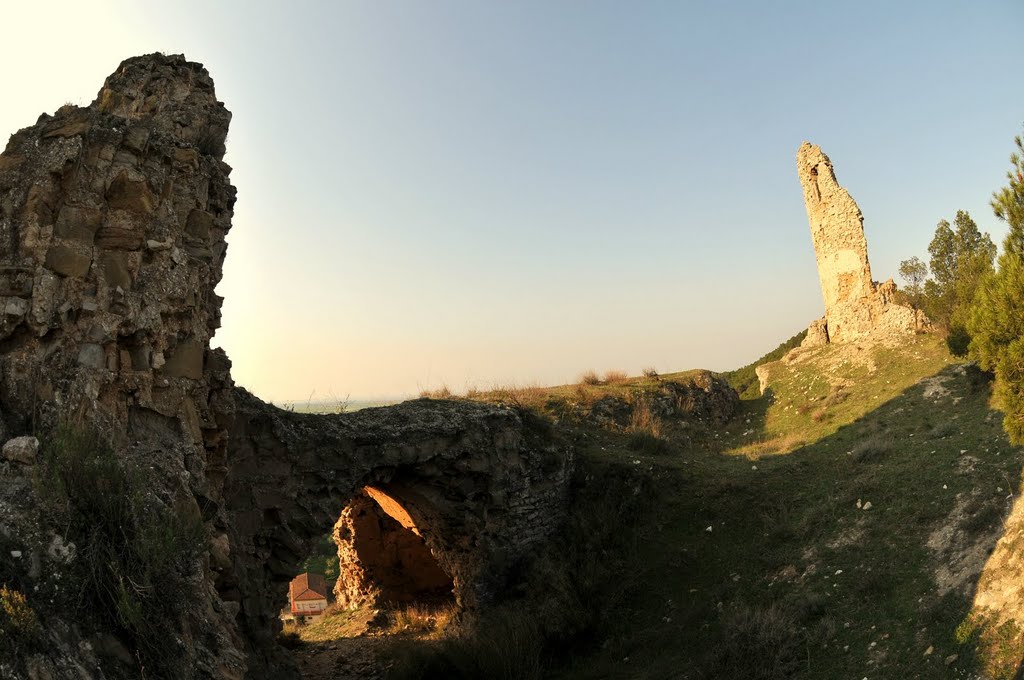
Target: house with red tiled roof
307 598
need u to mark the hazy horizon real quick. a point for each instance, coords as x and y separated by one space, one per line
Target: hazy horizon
475 195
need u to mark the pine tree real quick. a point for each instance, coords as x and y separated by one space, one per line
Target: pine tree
961 258
997 317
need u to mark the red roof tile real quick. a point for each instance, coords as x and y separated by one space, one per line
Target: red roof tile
307 586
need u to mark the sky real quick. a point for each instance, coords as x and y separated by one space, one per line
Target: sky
477 193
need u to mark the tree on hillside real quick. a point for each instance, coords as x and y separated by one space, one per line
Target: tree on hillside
961 257
914 272
997 318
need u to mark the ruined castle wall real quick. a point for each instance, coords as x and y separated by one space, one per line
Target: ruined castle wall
856 308
112 238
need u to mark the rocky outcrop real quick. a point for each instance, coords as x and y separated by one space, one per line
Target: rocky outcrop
112 238
856 308
701 399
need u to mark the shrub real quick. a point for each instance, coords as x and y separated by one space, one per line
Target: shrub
874 448
589 378
647 443
134 554
19 626
441 392
651 373
615 377
507 645
760 642
958 340
419 618
290 639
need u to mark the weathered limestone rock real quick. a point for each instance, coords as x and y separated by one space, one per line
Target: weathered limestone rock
22 450
856 308
112 239
382 556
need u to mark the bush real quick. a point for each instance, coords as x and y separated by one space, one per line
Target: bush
590 378
290 639
615 377
647 443
958 340
651 373
760 642
20 633
872 449
134 554
508 645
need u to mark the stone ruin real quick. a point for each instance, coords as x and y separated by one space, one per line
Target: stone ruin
856 308
113 220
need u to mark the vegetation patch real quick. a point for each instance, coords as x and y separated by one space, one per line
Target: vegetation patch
134 555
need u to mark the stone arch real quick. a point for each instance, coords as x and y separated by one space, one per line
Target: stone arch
481 483
385 556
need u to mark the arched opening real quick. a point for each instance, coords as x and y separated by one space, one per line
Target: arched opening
374 575
383 557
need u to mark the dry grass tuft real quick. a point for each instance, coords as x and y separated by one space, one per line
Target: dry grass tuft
643 419
420 619
441 392
783 443
615 377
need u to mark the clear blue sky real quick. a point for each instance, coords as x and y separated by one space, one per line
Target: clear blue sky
478 193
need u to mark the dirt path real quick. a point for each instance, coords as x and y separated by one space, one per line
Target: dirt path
342 659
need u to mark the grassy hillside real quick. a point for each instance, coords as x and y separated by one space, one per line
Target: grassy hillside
744 380
835 528
776 567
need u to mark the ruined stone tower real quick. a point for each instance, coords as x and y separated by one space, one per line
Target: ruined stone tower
855 306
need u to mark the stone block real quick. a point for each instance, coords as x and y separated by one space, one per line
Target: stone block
185 361
120 231
114 266
135 138
188 158
68 261
132 195
22 450
78 224
72 129
199 224
16 307
92 356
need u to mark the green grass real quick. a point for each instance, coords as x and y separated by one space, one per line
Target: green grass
793 580
751 550
744 380
135 555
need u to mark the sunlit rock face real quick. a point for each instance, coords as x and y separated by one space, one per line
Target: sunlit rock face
382 556
856 308
112 238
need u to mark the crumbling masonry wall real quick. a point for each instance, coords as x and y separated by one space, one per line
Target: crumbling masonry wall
856 308
112 239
